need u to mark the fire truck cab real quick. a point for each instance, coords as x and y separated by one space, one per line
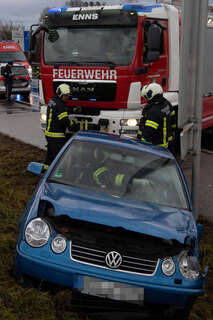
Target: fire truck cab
106 54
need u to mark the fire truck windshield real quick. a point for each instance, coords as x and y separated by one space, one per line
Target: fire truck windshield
12 56
101 46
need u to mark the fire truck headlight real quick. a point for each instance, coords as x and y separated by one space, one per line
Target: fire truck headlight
29 69
129 122
43 117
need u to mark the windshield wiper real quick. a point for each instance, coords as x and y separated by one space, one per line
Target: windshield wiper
59 182
113 64
67 63
110 63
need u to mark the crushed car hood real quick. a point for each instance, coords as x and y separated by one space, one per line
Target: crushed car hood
147 218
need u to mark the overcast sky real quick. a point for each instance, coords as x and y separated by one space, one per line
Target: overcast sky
27 12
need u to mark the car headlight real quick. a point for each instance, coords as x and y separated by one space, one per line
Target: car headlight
129 122
188 265
58 244
43 117
168 266
37 233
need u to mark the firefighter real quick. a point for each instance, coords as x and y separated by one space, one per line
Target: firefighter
157 117
106 174
8 76
57 123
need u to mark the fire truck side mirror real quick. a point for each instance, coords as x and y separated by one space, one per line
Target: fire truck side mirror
153 43
32 49
53 36
33 40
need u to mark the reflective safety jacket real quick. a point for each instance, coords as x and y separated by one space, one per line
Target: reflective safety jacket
57 119
156 123
103 176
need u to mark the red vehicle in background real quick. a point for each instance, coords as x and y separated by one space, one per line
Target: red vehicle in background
11 51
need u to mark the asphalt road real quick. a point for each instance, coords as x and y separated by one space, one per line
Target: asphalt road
21 122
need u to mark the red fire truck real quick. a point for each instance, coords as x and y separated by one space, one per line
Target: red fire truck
106 54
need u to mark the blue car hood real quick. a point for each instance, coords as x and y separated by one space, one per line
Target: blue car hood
155 220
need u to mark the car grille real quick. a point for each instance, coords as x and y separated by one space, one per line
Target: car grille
96 257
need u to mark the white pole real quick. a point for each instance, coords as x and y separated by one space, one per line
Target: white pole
193 35
202 28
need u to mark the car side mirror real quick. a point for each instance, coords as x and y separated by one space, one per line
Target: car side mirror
199 231
35 167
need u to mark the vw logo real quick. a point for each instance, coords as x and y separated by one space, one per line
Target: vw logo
113 259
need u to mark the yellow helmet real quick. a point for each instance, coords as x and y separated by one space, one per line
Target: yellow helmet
63 89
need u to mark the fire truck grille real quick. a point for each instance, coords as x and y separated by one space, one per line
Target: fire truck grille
90 91
97 257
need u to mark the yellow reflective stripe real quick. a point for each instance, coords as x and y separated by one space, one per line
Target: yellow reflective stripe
165 145
50 119
173 126
62 115
139 132
152 124
172 113
54 134
143 139
46 166
98 172
82 124
119 179
86 124
164 131
170 138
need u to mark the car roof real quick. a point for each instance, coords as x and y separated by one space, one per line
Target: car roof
122 141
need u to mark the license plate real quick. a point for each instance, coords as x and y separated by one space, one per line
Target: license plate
110 289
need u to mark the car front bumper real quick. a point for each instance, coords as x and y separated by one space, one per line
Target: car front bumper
72 274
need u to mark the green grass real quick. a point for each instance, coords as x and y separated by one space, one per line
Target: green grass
19 303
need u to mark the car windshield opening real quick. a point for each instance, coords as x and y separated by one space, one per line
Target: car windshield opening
12 56
108 46
120 172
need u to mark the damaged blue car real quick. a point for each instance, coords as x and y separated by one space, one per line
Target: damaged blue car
112 217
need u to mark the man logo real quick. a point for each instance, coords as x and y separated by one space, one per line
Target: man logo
113 259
